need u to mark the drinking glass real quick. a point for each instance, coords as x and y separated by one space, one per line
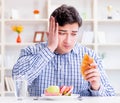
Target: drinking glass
21 90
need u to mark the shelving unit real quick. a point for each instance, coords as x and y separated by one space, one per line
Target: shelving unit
111 47
9 49
94 14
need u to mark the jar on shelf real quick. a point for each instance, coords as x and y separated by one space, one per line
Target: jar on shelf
36 13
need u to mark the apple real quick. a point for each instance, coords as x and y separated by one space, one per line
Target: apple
53 89
58 91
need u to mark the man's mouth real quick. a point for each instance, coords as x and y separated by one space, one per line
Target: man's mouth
67 46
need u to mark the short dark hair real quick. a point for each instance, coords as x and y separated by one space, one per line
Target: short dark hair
66 15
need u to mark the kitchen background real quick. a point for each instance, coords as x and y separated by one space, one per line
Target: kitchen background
100 31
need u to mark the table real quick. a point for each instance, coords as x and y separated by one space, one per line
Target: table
114 99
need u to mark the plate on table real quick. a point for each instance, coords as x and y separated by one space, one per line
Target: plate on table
73 96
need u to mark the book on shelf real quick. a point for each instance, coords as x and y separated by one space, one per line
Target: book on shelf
101 37
9 84
0 87
87 37
7 88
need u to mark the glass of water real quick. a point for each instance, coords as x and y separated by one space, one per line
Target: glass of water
21 90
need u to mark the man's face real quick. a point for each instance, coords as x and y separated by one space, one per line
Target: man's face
67 37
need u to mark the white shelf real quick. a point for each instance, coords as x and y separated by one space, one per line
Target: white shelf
9 92
112 69
108 44
109 21
88 20
19 44
26 20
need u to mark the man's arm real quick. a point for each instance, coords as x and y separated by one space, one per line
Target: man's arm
100 80
97 78
31 62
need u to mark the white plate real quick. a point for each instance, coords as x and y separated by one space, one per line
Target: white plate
73 96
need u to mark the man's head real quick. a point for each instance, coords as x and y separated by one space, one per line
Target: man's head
69 21
66 15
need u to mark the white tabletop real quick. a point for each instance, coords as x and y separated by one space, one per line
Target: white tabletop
115 99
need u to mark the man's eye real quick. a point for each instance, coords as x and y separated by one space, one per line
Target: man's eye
74 34
62 33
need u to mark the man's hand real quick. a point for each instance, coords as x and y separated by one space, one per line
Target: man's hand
93 76
52 34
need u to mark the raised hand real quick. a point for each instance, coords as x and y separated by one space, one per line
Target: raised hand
52 34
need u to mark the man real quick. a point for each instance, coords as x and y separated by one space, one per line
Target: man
58 61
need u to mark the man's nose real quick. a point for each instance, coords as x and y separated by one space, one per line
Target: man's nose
68 39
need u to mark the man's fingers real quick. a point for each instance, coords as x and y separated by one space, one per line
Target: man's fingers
47 33
90 71
53 26
91 75
92 79
56 28
50 24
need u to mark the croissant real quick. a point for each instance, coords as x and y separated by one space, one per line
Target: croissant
86 64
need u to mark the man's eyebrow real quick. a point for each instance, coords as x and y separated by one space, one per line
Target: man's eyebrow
66 30
63 30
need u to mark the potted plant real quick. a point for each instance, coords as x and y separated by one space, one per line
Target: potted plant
18 29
